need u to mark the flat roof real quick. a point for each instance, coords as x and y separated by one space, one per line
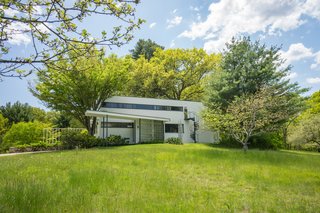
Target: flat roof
121 115
117 96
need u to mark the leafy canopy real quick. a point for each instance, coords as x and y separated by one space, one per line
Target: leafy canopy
174 74
54 29
248 115
80 85
17 112
247 67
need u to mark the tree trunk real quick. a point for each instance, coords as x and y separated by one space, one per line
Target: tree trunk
245 147
285 137
91 126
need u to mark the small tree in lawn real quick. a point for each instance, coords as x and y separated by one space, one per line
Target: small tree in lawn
248 115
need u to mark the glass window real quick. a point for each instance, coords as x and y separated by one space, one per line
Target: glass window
141 106
173 128
116 125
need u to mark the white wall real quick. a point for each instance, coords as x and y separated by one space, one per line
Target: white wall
176 117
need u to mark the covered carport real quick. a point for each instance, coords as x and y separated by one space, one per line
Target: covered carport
141 128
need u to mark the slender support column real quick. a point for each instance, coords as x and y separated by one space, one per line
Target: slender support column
139 130
103 126
107 130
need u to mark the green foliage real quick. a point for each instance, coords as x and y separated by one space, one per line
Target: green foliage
115 140
235 97
74 139
146 48
17 112
62 121
247 67
23 133
40 146
55 30
227 141
248 115
3 125
306 131
39 115
176 141
268 140
81 85
314 103
173 74
313 106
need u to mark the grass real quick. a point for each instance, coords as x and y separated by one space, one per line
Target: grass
161 178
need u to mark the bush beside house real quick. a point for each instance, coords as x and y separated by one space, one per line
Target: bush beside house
23 133
176 141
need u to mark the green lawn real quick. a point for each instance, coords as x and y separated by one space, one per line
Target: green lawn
161 178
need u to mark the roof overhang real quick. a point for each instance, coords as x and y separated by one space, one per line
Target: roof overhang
120 115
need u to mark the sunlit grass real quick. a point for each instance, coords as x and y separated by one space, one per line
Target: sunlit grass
161 178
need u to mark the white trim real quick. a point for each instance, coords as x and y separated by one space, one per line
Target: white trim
120 115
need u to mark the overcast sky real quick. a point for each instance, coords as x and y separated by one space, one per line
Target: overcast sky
293 24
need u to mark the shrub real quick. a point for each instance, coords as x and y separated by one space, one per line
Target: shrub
261 141
73 139
229 142
23 133
270 140
116 140
41 146
177 141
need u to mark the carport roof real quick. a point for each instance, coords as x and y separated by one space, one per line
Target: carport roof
120 115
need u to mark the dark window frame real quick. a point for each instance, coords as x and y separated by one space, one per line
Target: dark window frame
173 128
141 106
128 125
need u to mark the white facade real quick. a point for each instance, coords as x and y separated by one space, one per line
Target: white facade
145 119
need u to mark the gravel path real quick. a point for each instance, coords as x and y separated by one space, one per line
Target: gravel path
22 153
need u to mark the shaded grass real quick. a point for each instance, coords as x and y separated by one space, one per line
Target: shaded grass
161 178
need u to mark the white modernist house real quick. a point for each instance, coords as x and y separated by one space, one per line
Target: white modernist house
147 119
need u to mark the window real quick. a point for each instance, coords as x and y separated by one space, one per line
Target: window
141 106
173 128
116 125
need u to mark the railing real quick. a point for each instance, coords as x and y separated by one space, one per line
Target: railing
52 135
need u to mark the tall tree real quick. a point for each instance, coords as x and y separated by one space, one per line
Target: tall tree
145 48
174 74
246 68
53 28
17 112
80 85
